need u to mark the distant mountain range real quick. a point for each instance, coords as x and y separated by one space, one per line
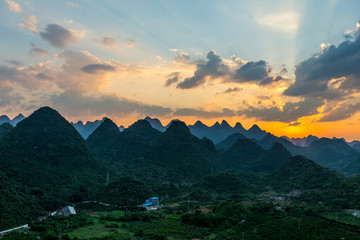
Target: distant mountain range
336 154
13 122
216 133
44 161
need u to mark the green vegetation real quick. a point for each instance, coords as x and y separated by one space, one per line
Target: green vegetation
5 128
240 191
13 199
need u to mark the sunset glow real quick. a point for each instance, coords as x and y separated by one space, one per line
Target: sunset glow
281 65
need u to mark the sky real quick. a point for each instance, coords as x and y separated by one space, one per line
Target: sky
291 67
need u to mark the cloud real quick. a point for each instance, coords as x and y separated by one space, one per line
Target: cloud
72 4
231 90
73 77
204 114
235 70
129 43
83 71
59 36
37 52
8 97
282 22
343 112
109 42
255 72
97 68
175 50
13 6
316 76
290 112
212 68
182 57
108 104
348 34
29 23
15 62
172 78
293 124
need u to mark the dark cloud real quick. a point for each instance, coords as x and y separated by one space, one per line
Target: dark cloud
75 103
109 42
25 77
231 90
333 73
252 71
212 68
12 74
257 72
15 62
289 113
37 52
59 36
293 124
172 78
343 112
348 35
97 68
204 114
283 70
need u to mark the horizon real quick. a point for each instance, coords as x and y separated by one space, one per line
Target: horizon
208 125
285 66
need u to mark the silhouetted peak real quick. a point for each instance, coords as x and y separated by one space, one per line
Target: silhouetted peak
268 135
108 122
255 128
199 124
238 125
19 117
225 124
80 123
278 147
169 124
328 141
4 118
140 125
177 126
217 124
106 129
45 116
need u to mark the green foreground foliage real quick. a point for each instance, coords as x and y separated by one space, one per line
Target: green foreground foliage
222 220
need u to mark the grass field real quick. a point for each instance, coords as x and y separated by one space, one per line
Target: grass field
112 214
97 230
170 227
343 218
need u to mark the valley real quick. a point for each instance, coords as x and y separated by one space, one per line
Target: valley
234 186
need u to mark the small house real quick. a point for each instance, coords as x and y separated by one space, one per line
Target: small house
65 211
151 203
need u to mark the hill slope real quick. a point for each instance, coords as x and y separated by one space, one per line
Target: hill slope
302 173
45 152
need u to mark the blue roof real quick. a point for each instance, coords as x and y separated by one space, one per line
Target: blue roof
147 204
154 198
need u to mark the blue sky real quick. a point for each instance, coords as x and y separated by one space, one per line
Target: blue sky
117 56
